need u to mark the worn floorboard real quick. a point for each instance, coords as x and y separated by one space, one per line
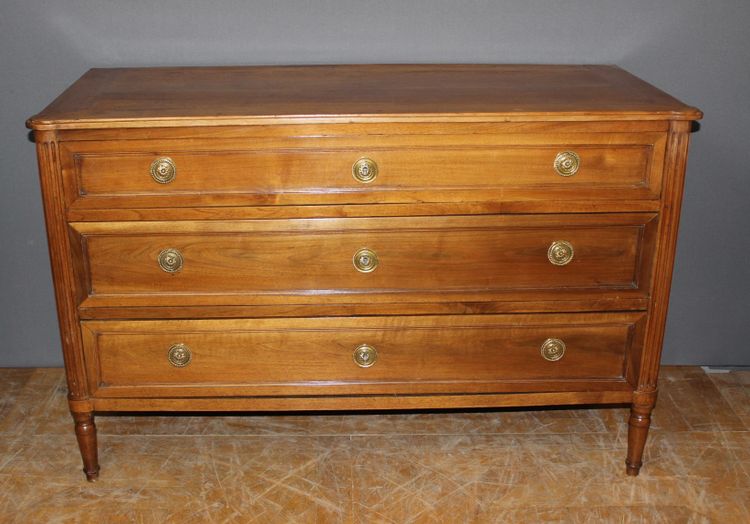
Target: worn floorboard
554 465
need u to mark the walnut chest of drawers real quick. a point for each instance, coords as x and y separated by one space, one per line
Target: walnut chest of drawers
361 237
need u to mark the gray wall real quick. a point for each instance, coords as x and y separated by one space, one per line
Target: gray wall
695 49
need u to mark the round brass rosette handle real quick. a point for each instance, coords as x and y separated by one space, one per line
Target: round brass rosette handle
170 260
365 355
179 355
365 260
163 170
560 252
567 163
553 349
365 170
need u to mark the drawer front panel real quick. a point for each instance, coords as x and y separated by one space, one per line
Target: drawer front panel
460 254
317 356
431 169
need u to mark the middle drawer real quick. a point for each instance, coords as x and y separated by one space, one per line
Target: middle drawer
335 257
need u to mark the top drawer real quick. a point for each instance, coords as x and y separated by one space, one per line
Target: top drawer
361 170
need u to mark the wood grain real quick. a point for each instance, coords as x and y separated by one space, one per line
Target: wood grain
148 306
644 398
389 132
439 168
267 216
85 429
463 254
314 356
615 393
166 97
65 272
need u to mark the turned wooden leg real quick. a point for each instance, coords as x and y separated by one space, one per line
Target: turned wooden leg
86 435
638 424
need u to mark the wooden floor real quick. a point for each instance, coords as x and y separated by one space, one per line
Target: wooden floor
506 466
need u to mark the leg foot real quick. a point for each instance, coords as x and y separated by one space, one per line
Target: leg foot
638 424
86 435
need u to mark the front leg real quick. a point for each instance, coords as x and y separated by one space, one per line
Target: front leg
638 424
86 435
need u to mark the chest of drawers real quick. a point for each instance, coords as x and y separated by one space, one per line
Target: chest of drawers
361 237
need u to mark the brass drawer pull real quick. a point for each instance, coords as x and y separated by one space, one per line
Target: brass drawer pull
365 355
365 260
170 260
163 170
560 252
365 170
567 163
553 349
179 355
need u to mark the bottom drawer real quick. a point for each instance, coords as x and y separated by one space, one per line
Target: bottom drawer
363 355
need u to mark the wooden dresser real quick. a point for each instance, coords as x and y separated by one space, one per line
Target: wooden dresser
361 237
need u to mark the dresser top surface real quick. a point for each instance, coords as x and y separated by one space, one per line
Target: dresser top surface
199 96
